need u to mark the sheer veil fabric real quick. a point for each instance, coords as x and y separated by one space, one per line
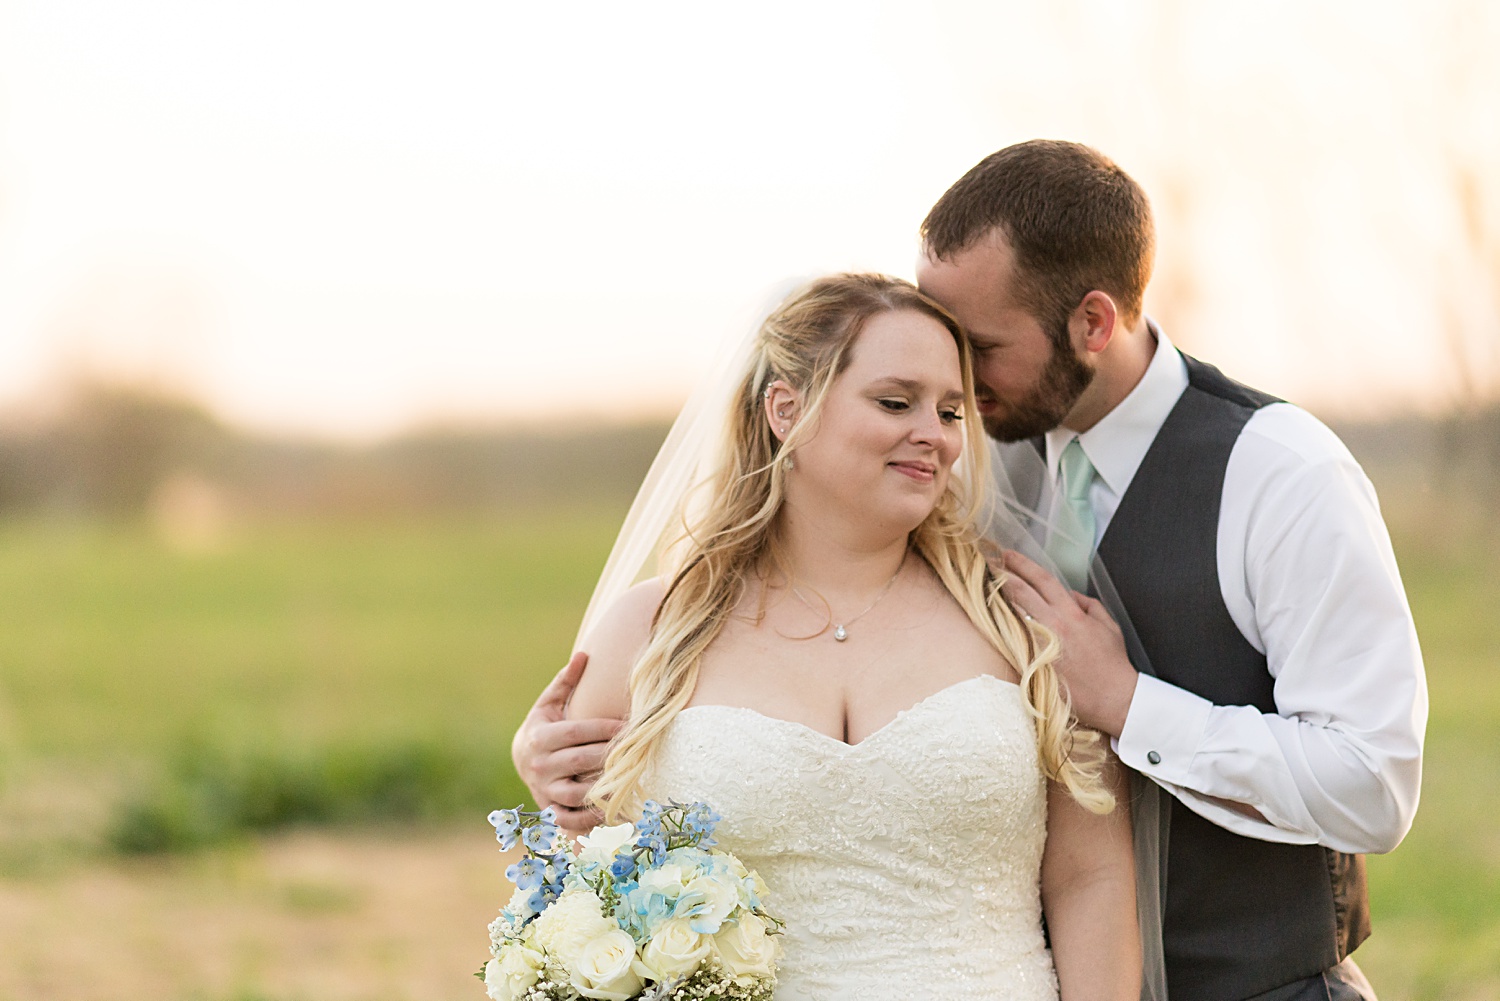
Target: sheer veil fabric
1012 517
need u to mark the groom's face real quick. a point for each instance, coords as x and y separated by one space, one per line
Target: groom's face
1025 384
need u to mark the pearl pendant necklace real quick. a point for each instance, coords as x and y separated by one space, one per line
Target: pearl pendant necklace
840 633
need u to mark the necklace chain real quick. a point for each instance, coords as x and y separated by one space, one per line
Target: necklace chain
840 629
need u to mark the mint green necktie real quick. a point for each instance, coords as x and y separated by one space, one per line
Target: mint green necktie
1071 544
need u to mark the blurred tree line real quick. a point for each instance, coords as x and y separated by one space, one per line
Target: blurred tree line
121 451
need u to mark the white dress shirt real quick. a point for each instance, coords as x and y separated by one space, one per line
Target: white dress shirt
1308 576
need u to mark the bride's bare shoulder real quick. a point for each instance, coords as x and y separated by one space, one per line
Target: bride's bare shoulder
613 646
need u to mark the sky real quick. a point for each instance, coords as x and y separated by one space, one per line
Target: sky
352 218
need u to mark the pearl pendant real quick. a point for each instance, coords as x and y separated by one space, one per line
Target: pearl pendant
840 634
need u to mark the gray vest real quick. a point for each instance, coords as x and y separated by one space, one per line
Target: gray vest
1242 916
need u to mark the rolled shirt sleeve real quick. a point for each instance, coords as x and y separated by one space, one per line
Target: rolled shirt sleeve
1309 577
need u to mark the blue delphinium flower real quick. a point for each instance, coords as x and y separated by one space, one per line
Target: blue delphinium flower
507 824
655 846
700 819
541 839
622 868
527 874
549 816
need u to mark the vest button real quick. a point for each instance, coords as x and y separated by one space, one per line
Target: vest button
1153 757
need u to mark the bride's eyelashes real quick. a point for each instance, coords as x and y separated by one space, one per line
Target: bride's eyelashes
898 406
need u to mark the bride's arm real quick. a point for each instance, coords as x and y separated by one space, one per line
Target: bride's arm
562 741
614 645
1088 895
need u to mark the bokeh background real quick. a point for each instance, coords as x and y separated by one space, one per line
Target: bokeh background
335 336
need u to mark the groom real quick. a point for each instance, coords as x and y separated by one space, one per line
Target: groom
1278 693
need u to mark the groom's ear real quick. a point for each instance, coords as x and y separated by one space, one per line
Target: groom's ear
782 407
1092 324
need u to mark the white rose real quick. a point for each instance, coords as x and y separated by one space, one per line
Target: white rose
675 950
666 880
604 969
509 976
602 843
745 948
707 901
572 921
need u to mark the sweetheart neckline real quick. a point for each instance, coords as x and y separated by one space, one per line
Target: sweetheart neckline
804 728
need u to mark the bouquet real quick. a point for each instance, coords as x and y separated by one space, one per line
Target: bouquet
643 911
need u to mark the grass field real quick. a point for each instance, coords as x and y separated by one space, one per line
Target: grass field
360 673
312 671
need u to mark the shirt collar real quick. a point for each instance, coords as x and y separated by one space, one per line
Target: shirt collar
1118 443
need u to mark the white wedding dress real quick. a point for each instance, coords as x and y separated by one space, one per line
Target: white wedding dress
905 866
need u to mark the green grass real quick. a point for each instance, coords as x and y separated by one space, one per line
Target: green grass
306 672
1436 899
373 671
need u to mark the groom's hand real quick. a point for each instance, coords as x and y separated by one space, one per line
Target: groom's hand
559 758
1093 664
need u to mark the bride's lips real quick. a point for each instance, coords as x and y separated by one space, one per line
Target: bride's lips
922 472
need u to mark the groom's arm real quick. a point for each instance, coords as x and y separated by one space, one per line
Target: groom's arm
557 757
1308 574
1339 763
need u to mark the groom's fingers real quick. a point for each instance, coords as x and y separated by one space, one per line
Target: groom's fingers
577 761
1094 609
1043 583
568 793
548 738
577 819
554 698
1024 599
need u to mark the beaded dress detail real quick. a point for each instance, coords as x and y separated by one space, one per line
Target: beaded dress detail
906 865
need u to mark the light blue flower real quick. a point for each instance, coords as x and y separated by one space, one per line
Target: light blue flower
507 824
655 846
700 819
527 874
641 911
541 839
549 816
622 867
749 898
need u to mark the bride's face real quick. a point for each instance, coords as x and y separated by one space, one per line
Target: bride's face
890 429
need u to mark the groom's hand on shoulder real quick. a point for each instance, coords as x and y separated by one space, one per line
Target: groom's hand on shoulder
1093 663
558 758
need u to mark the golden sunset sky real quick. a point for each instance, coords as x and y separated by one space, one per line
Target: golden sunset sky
348 218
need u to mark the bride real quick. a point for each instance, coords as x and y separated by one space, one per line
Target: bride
829 662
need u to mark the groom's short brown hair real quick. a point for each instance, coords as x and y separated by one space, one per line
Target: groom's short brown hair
1074 219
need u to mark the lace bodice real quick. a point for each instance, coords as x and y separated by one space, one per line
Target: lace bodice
906 865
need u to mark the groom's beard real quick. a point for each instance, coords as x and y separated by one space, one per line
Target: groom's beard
1039 411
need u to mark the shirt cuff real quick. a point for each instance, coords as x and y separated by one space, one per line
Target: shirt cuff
1163 731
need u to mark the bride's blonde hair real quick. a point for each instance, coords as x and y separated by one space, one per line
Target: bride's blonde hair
807 343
